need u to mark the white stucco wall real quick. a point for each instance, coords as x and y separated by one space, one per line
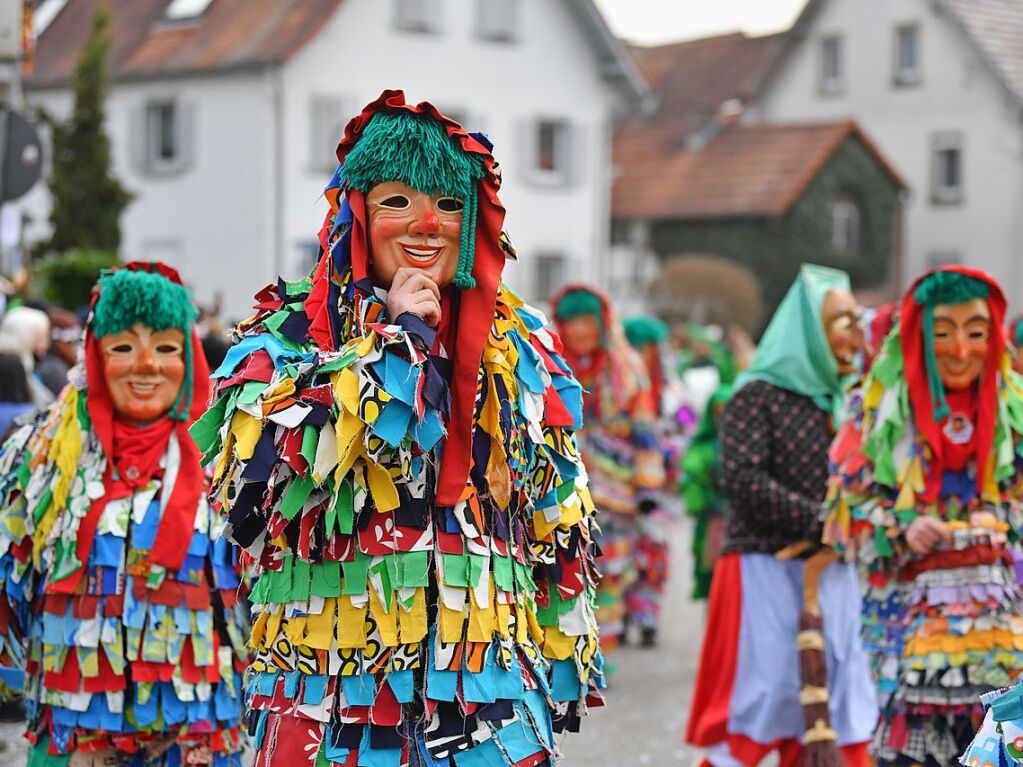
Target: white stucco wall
212 219
550 71
957 93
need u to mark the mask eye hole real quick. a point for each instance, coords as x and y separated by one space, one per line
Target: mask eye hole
121 349
168 349
395 202
449 204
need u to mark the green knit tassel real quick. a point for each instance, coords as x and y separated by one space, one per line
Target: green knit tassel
938 401
467 247
183 402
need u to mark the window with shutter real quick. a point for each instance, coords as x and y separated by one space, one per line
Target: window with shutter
326 123
497 20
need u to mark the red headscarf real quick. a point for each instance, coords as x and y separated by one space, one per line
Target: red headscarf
915 365
143 447
475 313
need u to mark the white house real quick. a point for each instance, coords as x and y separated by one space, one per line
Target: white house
938 84
224 115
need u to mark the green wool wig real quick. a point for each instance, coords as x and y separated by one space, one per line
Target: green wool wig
645 329
942 287
125 297
579 303
416 150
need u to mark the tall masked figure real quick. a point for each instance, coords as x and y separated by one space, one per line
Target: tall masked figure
120 594
925 497
770 679
393 446
618 444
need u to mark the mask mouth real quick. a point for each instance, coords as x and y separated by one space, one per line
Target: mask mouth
422 254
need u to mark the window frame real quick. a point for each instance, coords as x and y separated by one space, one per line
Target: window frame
153 160
852 212
904 78
941 143
320 160
830 86
563 147
489 32
418 17
553 260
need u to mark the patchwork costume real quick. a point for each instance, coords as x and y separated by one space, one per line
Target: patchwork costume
774 437
944 627
121 600
619 446
412 496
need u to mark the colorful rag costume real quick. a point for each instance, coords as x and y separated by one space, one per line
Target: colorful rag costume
659 509
774 436
120 595
412 496
701 494
618 444
942 628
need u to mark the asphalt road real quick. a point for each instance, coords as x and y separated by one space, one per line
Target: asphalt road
647 702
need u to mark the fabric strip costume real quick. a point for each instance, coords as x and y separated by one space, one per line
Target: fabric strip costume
411 496
121 598
942 627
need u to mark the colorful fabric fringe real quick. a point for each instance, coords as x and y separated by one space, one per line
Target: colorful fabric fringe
386 625
943 628
138 659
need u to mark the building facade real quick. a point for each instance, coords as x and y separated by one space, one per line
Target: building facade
224 115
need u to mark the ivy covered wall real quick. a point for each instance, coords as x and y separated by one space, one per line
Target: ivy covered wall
774 248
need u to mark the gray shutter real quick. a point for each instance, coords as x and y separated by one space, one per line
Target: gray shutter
186 134
138 149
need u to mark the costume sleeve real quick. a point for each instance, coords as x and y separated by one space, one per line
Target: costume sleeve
768 506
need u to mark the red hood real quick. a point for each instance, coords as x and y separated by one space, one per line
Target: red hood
915 366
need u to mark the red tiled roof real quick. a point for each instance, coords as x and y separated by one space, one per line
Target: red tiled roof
747 170
230 34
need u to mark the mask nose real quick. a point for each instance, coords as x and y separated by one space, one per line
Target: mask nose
427 222
145 362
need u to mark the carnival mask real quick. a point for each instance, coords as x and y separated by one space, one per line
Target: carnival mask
413 229
962 336
843 326
144 370
581 335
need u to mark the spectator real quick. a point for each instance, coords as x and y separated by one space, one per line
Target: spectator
15 398
26 333
66 338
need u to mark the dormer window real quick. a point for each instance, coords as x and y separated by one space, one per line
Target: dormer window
45 13
183 10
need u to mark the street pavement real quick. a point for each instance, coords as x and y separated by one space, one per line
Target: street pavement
648 695
647 700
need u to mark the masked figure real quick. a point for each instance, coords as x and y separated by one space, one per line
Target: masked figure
701 493
392 442
750 690
652 555
121 601
618 444
925 495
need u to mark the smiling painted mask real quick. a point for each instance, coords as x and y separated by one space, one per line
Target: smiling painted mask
144 370
409 228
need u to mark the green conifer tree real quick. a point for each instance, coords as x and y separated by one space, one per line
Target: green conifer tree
87 199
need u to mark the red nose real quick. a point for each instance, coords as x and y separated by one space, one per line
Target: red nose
427 223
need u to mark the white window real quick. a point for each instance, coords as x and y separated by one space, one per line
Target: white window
831 64
550 142
549 275
947 168
45 12
417 16
845 225
936 258
164 142
326 123
497 19
179 10
907 55
161 136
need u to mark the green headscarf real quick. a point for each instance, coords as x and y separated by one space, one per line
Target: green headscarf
794 353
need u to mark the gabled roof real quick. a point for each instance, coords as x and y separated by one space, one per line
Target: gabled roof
231 34
239 34
693 78
746 171
996 28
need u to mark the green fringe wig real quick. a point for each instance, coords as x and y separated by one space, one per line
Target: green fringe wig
127 297
645 329
416 150
942 288
579 303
